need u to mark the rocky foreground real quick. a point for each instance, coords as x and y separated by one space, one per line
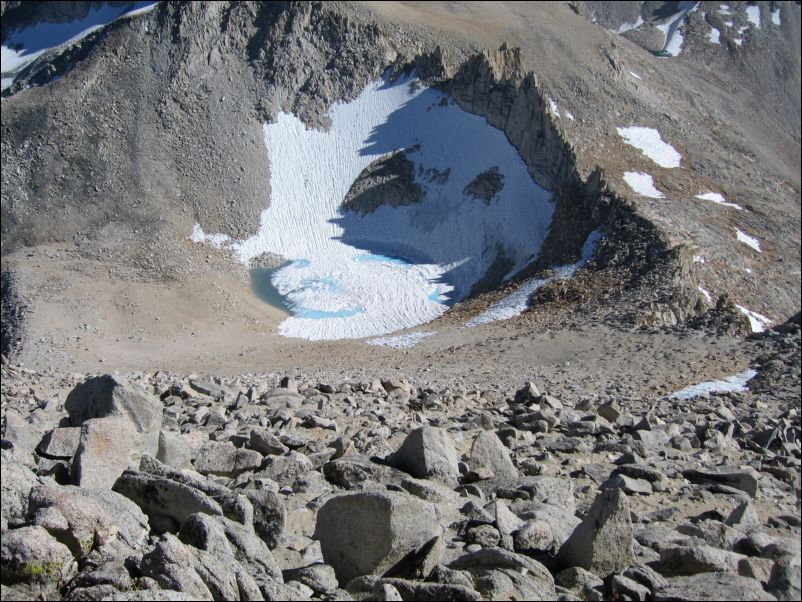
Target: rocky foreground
160 487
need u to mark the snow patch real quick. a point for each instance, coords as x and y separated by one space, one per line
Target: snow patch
731 384
568 114
649 142
216 240
23 46
706 294
635 75
627 26
753 15
554 108
775 17
748 240
698 259
757 322
719 199
714 36
724 9
402 341
643 184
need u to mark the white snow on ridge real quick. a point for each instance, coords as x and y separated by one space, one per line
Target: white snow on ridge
758 322
748 240
516 303
775 17
22 47
643 184
714 36
735 383
627 26
402 341
719 199
753 15
356 276
649 142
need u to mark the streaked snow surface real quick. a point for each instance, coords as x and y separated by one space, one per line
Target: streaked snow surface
719 199
649 142
758 322
643 184
402 341
515 303
22 47
748 240
422 256
735 383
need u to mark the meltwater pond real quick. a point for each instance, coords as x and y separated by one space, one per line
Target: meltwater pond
389 265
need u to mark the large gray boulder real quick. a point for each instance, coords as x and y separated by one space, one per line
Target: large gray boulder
224 459
428 453
367 533
16 482
603 542
712 586
105 450
114 395
488 452
31 556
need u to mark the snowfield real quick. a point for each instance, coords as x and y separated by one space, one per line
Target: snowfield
355 276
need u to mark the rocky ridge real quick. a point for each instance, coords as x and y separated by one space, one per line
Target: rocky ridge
160 486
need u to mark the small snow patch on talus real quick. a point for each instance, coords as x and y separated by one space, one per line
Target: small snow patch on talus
649 142
731 384
750 241
671 28
554 108
775 17
753 15
516 303
625 27
719 199
402 341
643 184
758 322
635 75
216 240
714 36
706 294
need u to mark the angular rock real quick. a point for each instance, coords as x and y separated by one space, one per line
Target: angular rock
173 450
87 519
60 443
319 577
106 448
269 515
628 485
367 533
225 460
16 482
167 503
603 542
487 451
712 586
428 453
744 479
31 555
266 443
113 395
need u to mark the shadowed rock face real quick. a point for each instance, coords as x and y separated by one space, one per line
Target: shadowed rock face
387 181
